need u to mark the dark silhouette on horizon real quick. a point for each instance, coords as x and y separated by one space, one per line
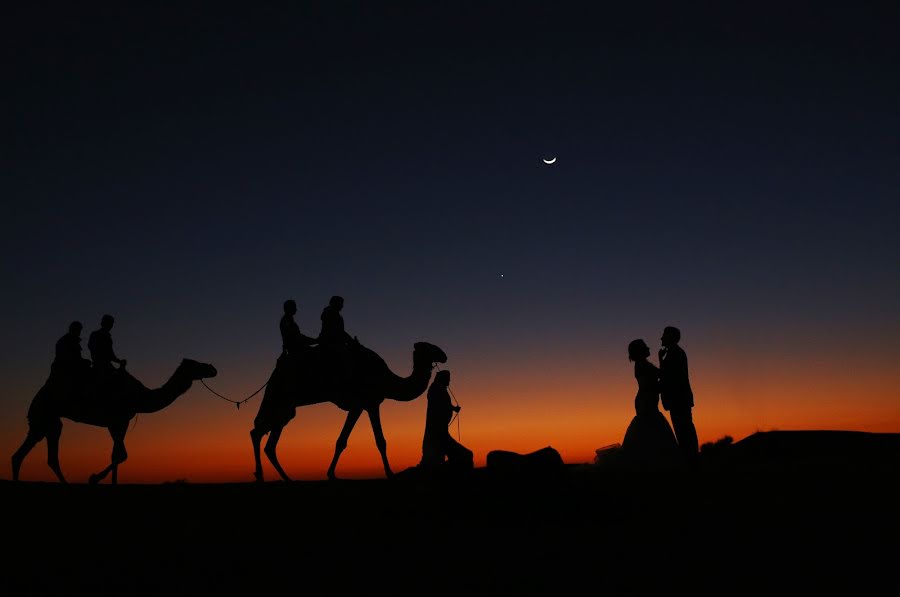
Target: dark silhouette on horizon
313 378
90 395
676 394
544 464
440 451
649 441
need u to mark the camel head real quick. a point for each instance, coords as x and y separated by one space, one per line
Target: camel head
196 370
425 354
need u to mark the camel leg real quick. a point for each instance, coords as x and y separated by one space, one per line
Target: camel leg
97 477
256 436
341 445
271 445
31 440
375 418
53 434
119 455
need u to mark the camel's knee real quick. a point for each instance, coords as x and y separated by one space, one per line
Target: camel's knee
119 455
340 445
256 435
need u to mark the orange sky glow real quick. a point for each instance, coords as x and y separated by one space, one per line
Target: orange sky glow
203 439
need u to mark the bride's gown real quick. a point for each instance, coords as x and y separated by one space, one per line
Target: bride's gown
649 439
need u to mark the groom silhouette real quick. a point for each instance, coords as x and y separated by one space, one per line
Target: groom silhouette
675 393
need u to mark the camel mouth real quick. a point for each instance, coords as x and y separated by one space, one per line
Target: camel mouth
210 371
435 354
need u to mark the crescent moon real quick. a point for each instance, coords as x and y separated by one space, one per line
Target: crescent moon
550 161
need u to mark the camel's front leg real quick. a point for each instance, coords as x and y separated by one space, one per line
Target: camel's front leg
341 445
375 418
271 445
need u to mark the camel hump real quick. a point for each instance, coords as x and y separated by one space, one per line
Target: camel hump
83 394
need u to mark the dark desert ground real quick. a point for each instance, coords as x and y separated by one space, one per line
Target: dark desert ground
799 512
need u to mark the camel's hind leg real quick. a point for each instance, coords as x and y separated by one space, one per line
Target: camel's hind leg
97 477
119 455
31 440
341 445
53 433
271 445
375 418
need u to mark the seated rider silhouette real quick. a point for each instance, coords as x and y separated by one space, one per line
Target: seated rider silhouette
294 344
335 340
68 361
293 341
101 346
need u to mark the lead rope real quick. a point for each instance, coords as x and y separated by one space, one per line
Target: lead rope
455 417
456 414
237 403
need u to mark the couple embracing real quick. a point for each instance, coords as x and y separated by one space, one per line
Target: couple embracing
649 439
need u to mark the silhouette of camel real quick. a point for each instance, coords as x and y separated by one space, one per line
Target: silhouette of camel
112 407
309 380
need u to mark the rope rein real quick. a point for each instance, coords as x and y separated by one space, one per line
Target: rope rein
237 403
455 417
456 414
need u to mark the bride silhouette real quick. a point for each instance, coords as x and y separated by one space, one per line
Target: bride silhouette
649 440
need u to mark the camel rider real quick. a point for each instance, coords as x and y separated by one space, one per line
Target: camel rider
100 345
332 333
68 360
293 341
336 341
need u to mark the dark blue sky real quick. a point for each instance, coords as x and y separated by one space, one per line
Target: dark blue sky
731 170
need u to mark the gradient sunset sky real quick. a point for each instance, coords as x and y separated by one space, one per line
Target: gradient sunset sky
734 172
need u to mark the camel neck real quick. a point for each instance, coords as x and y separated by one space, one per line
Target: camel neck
410 388
159 398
